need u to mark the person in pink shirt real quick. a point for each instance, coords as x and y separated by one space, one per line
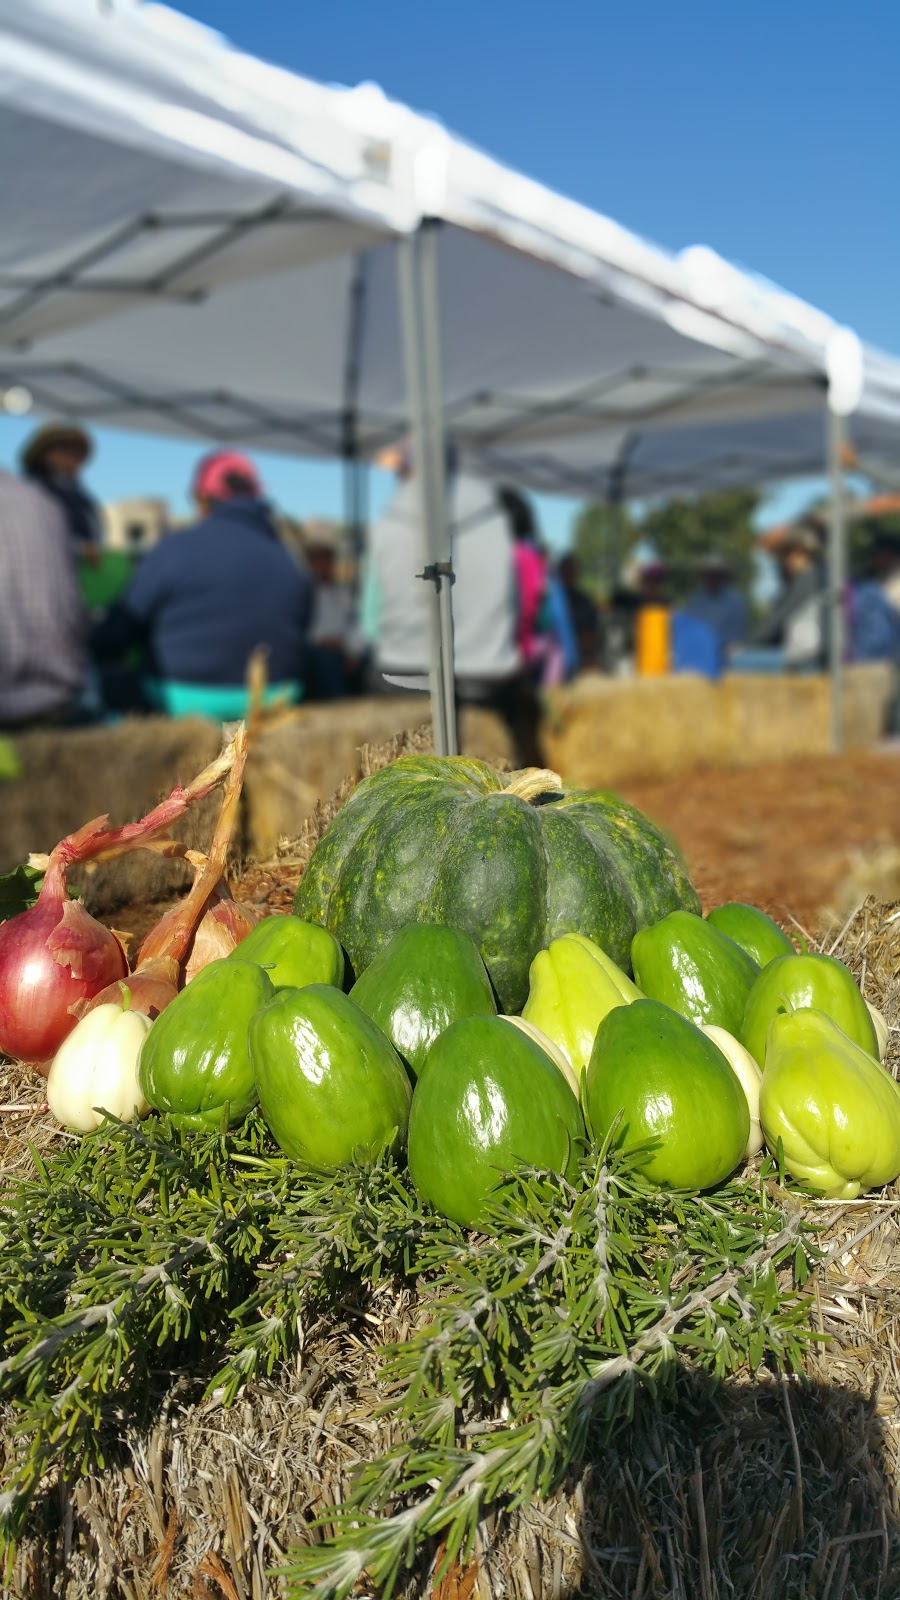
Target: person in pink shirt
531 575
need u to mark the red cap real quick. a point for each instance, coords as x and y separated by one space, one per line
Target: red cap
213 472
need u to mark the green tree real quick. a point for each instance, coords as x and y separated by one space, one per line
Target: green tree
682 532
862 533
604 538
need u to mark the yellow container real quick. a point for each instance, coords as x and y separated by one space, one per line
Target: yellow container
653 642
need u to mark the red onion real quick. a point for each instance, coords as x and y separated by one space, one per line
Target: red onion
56 956
51 957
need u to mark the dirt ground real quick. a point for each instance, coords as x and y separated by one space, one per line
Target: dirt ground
804 840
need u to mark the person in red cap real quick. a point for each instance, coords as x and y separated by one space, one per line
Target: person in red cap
206 597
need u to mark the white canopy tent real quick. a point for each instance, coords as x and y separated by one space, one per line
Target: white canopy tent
193 242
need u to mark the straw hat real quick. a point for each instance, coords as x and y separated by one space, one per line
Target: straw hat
48 437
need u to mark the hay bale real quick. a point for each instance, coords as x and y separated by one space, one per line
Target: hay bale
70 776
300 759
611 730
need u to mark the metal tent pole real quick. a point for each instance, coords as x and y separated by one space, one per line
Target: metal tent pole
421 338
837 573
353 464
434 401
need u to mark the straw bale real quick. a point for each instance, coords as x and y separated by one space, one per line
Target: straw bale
69 776
609 730
297 759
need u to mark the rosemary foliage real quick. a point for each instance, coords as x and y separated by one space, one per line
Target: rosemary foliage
142 1252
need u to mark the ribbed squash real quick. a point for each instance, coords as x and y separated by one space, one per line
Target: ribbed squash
514 860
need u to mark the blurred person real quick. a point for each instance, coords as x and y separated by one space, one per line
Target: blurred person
653 622
489 667
584 614
43 667
532 572
54 458
545 632
335 643
797 624
874 628
205 598
718 603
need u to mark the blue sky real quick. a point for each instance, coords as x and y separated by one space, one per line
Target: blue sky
769 131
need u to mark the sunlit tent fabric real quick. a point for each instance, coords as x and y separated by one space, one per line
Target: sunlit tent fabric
195 242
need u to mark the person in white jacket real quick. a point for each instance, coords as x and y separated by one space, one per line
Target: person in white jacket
489 670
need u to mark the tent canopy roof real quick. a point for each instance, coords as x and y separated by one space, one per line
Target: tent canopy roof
206 245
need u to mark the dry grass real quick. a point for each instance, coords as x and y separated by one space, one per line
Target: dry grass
752 1490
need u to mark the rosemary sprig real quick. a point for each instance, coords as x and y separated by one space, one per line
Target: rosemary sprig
523 1354
142 1249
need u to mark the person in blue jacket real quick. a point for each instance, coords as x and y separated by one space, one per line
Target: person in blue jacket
874 620
208 596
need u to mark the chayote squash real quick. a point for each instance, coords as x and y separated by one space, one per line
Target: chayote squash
834 1108
426 978
194 1062
294 953
692 967
486 1099
331 1086
673 1088
572 986
797 983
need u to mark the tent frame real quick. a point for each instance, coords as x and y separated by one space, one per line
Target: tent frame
420 314
837 572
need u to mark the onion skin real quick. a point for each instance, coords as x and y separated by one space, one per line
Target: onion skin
151 987
223 927
207 924
51 957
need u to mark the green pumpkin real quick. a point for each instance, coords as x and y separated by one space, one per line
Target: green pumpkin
426 978
514 860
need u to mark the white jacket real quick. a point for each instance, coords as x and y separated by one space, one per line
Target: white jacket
485 604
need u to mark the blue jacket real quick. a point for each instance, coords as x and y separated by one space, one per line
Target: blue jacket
204 598
874 624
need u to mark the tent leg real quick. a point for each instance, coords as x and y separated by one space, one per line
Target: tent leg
355 518
434 399
421 337
837 573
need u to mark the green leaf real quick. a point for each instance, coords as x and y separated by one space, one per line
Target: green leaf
19 891
10 765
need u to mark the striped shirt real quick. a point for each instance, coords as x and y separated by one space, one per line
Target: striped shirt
42 620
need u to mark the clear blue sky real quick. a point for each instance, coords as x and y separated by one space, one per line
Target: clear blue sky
767 130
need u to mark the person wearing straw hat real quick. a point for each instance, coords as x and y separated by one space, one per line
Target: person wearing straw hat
205 599
53 458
